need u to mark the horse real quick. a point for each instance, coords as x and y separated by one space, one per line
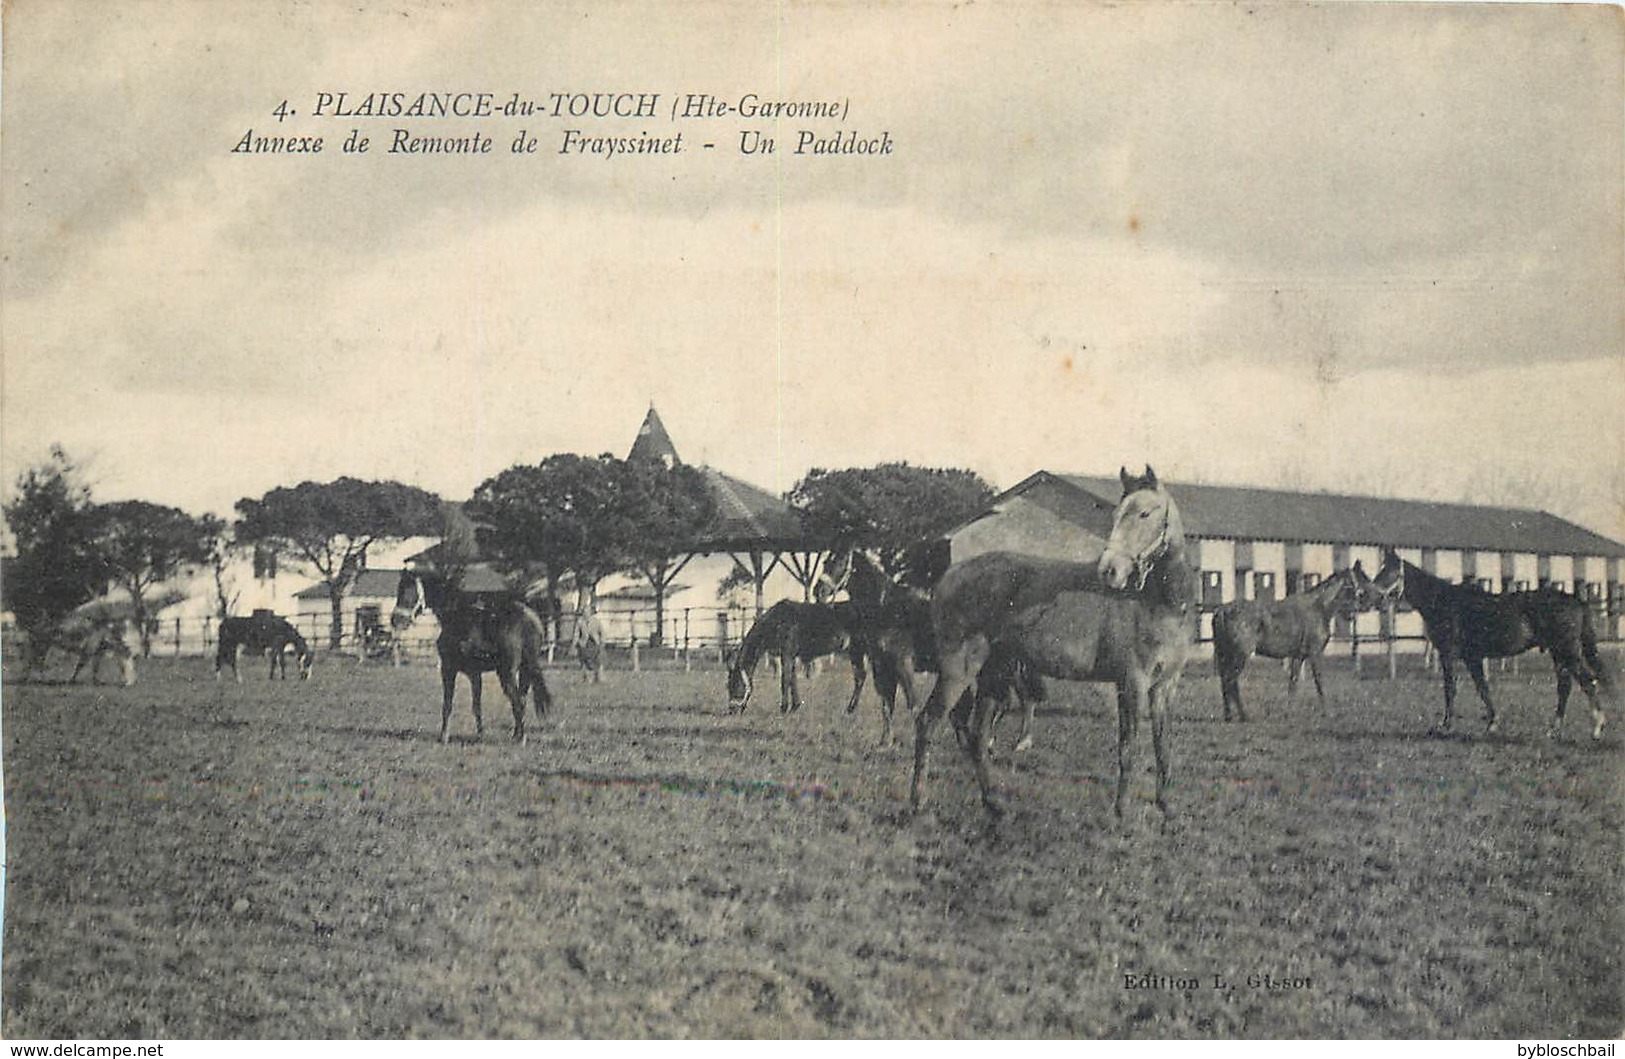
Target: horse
796 632
895 633
1129 619
1465 622
91 638
503 636
587 637
1296 628
262 634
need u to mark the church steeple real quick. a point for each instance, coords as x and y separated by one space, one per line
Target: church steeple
653 442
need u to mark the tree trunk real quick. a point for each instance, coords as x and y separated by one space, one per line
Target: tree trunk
659 580
335 631
143 622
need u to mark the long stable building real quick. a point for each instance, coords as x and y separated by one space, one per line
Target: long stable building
1264 543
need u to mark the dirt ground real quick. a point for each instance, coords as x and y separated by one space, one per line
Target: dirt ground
189 859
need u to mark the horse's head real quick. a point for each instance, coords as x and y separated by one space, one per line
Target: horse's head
410 601
738 685
1145 527
1389 584
836 575
1362 593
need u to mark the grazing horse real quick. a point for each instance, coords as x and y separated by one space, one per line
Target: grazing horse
476 637
90 638
1468 623
795 632
1296 628
263 634
1129 620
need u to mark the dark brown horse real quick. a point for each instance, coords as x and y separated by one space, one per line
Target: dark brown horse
479 635
895 633
264 634
795 632
1296 628
1464 622
1129 620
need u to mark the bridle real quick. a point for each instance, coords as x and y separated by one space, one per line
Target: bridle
1394 591
1147 559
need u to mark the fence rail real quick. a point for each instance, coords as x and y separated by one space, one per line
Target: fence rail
687 637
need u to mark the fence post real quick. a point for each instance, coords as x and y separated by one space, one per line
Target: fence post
177 637
688 661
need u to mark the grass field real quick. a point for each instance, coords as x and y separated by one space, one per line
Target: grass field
191 859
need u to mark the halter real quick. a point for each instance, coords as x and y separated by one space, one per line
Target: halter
1393 591
1159 547
837 587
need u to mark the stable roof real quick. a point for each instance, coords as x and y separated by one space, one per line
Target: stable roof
1247 513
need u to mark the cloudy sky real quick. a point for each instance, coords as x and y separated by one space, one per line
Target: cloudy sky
1369 248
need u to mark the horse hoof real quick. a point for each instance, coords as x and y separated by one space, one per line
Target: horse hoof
1023 744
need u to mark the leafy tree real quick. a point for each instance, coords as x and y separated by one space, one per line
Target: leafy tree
57 565
591 516
330 525
143 544
562 514
888 507
221 549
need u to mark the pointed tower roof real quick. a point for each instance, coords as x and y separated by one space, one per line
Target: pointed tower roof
653 442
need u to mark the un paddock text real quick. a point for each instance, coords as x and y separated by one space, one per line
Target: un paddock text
611 126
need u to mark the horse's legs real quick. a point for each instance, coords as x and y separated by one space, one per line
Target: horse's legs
1024 741
981 739
1565 682
1569 671
127 668
1160 696
1131 702
1294 670
855 655
1447 667
956 671
236 656
448 688
1314 671
1475 669
476 684
1230 667
886 680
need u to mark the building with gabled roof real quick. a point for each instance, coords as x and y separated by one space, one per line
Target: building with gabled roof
1254 543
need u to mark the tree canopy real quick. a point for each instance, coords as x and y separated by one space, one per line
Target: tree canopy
144 543
59 564
590 515
330 526
887 507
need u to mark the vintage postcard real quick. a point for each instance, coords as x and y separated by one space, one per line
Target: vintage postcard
378 346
